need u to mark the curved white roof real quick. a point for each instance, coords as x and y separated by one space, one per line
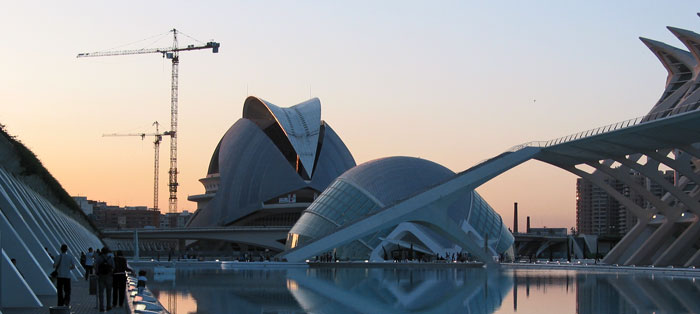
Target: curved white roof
684 61
691 40
301 123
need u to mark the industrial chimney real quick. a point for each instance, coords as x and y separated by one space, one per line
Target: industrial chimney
515 217
528 224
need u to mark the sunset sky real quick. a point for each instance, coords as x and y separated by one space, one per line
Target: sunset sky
454 82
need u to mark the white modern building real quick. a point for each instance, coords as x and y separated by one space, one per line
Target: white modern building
275 162
269 166
667 229
369 187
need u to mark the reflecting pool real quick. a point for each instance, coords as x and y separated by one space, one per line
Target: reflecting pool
382 290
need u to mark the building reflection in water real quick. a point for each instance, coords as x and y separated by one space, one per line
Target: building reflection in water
596 292
638 293
379 290
230 291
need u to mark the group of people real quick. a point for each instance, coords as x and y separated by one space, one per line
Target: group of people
110 269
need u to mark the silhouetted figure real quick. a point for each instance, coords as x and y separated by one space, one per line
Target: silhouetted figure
141 283
89 263
63 266
83 258
105 268
119 280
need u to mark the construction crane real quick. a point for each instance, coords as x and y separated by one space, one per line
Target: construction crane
171 53
156 145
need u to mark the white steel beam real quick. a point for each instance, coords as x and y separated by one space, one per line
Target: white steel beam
685 241
14 291
20 225
34 273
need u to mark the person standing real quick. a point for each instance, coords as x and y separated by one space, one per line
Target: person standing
141 283
119 280
89 263
63 264
105 268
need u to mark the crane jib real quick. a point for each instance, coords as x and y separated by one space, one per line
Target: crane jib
212 44
170 53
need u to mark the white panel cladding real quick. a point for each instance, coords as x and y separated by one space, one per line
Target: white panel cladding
21 226
15 290
65 235
42 206
28 212
35 275
302 124
29 223
52 243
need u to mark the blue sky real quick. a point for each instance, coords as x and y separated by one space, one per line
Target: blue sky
454 82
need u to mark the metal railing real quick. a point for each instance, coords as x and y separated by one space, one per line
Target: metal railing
610 127
528 144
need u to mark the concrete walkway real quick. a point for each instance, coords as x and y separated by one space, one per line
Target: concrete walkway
81 302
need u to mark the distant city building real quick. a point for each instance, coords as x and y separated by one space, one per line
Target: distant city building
115 217
84 204
120 218
175 220
548 231
598 213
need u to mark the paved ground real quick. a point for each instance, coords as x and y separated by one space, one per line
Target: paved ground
81 302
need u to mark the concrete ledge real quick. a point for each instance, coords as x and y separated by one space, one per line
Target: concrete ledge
286 265
665 271
408 265
217 264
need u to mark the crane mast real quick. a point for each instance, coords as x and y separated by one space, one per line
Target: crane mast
156 165
172 173
156 145
172 53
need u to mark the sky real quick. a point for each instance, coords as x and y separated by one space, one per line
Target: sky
454 82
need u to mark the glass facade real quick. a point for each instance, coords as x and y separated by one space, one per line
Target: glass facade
369 187
339 204
488 223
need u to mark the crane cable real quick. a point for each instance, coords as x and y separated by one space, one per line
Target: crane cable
190 37
158 37
138 41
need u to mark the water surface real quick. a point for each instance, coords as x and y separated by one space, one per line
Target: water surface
380 290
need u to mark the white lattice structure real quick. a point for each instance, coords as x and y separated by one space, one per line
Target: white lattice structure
31 228
667 232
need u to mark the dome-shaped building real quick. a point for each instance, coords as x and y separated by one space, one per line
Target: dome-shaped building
269 166
373 185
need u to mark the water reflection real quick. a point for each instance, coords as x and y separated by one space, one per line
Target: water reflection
377 290
536 291
399 290
641 293
230 291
